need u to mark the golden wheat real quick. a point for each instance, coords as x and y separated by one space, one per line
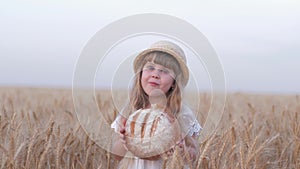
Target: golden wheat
39 129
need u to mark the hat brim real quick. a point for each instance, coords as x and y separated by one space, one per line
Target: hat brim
182 63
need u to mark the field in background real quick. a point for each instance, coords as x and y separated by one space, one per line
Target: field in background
39 129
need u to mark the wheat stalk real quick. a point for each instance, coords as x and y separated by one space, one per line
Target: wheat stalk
58 149
43 155
207 144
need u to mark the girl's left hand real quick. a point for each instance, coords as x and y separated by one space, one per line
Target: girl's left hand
184 151
180 146
191 153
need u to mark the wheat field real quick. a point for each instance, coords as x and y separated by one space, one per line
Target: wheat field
39 129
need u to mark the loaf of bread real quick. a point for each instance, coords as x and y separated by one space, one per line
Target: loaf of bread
151 132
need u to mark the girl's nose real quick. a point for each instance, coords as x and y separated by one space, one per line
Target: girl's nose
155 74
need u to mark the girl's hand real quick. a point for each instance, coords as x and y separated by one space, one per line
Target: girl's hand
188 152
119 147
122 136
179 145
191 153
191 148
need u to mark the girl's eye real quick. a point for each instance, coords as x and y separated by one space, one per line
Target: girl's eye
150 68
165 71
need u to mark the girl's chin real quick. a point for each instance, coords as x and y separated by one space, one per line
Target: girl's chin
155 91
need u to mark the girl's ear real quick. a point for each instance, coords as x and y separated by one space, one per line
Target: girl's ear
173 85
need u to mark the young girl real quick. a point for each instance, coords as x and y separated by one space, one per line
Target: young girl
161 67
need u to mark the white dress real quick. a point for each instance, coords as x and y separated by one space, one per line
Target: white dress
189 126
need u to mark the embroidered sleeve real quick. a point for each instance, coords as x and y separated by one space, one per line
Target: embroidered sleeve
188 122
195 129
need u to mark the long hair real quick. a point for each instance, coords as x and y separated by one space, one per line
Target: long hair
139 99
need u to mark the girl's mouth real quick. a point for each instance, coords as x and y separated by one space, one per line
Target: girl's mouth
153 84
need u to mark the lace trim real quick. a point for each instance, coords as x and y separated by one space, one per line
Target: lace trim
195 129
116 124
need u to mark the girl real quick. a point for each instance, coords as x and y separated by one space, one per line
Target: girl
161 67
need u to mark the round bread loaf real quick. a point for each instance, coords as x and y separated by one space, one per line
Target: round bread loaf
151 132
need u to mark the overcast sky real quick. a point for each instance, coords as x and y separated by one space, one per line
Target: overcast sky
258 42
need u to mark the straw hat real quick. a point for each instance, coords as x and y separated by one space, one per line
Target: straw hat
170 48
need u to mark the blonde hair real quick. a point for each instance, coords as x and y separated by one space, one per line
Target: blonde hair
139 99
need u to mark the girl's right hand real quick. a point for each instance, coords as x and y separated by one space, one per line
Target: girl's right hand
119 147
122 132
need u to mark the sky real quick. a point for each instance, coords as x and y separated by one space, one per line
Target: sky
257 42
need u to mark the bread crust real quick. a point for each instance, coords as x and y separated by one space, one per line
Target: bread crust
151 132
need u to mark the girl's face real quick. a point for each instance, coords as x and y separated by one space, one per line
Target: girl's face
155 76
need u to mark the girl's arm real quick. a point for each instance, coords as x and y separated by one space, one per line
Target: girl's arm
119 143
191 146
186 117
